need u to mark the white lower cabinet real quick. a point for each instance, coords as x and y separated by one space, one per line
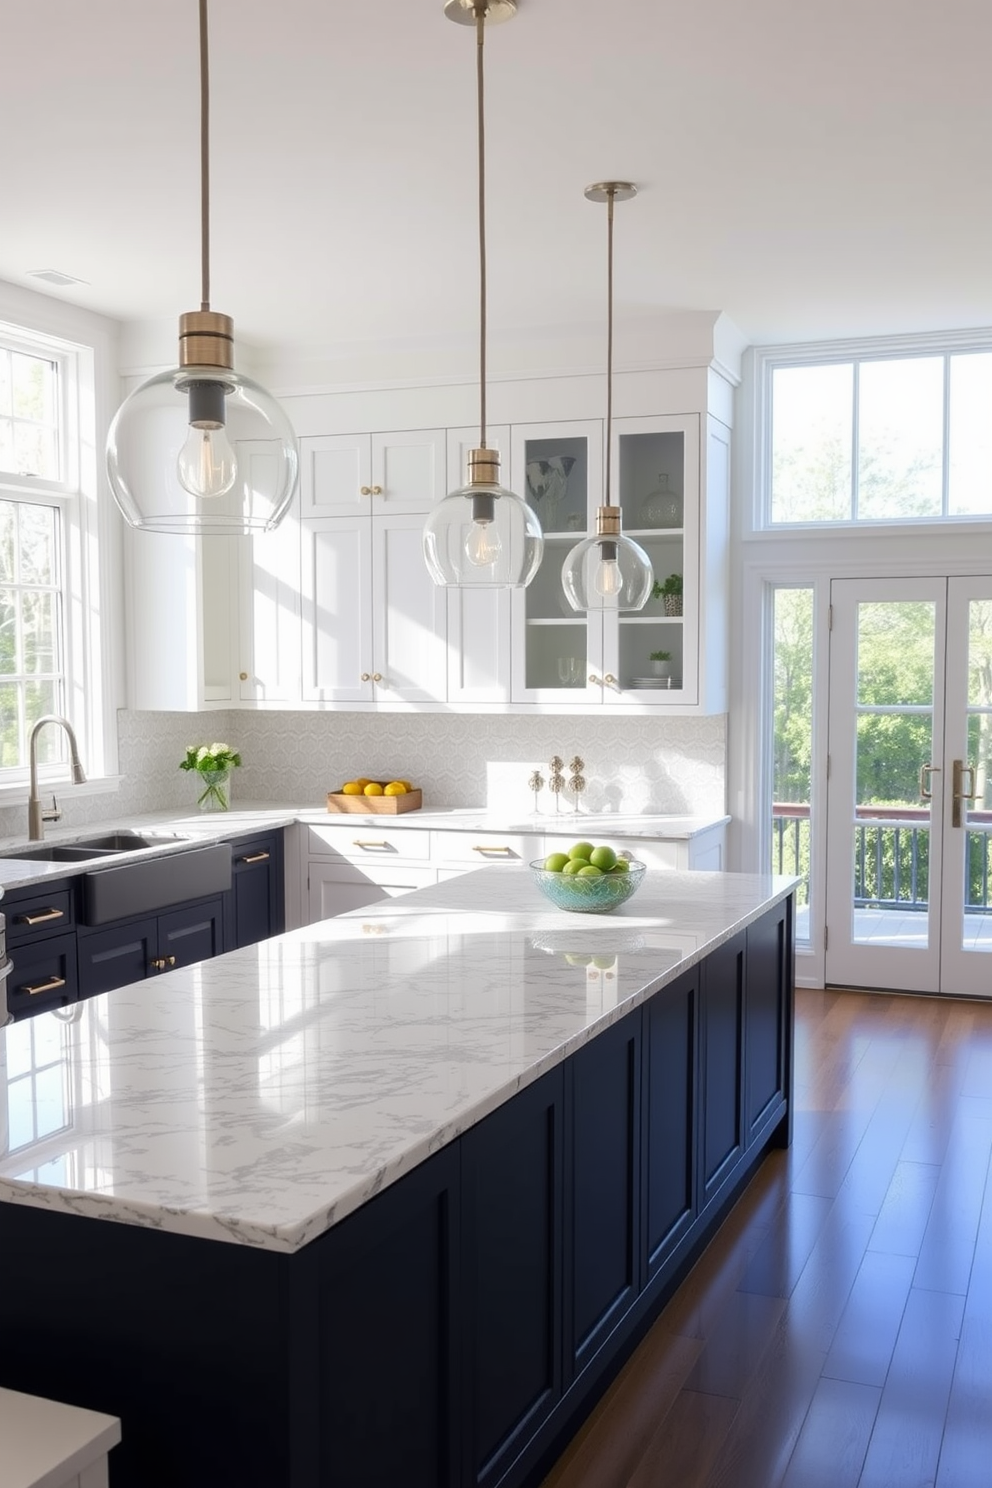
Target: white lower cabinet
355 861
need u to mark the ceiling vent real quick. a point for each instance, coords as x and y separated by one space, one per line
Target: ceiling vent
55 276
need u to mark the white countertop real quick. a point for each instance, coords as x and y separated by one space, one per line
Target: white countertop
217 826
262 1096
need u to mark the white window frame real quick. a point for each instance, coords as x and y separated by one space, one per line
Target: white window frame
762 362
85 345
811 554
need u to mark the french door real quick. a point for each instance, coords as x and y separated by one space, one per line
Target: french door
909 790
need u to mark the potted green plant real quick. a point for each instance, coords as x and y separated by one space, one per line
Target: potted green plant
213 764
661 663
670 593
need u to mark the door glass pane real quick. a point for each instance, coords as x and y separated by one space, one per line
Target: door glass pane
894 741
978 780
793 742
901 438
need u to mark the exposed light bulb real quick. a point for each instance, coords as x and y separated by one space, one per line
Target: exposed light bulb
482 546
206 465
607 579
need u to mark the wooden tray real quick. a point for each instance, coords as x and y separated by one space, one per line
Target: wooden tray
375 805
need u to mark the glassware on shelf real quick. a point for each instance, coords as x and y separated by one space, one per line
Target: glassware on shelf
662 506
547 485
569 670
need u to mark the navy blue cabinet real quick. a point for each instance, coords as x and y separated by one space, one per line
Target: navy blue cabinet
118 954
56 960
455 1330
255 908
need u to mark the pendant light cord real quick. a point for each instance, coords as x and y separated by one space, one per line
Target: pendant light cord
480 37
611 194
204 162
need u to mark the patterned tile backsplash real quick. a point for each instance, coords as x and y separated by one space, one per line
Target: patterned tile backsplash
631 764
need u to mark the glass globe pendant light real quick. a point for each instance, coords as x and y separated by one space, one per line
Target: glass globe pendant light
482 536
608 571
202 449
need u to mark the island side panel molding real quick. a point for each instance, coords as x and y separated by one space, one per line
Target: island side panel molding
671 1081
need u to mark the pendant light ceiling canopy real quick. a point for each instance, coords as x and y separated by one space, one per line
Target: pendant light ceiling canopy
482 536
202 449
608 571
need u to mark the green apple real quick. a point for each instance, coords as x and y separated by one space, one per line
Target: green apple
603 857
620 866
581 850
555 862
604 962
589 870
574 866
575 960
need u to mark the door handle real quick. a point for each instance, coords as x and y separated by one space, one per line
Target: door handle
958 793
926 783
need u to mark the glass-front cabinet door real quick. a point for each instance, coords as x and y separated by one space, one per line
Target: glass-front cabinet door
647 657
558 468
652 652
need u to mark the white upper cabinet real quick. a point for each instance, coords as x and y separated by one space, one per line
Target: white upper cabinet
374 623
377 473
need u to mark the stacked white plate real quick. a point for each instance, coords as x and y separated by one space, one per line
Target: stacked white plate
652 682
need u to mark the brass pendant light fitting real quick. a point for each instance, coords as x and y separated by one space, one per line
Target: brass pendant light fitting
482 535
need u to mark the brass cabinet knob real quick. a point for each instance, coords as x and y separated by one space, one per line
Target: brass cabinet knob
376 676
609 680
366 490
597 680
366 676
243 676
376 490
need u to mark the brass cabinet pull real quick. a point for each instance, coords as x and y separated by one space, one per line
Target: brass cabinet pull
161 962
609 680
485 848
261 857
366 676
926 784
243 676
44 918
597 680
366 490
376 490
958 792
50 986
358 842
376 676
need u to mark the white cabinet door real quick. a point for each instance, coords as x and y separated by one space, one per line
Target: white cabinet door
333 892
409 628
409 470
269 668
478 619
337 609
335 475
181 597
344 473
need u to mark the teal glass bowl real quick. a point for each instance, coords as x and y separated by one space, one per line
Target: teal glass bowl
588 895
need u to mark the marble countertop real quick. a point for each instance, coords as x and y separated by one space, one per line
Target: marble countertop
218 826
260 1097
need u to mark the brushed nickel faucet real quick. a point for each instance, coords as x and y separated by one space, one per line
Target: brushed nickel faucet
37 814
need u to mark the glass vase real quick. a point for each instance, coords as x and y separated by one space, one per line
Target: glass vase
214 790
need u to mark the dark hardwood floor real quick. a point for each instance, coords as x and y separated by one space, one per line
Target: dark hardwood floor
837 1333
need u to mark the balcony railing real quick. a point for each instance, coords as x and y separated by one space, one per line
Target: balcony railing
891 855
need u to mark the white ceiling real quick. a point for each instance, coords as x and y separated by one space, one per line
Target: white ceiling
809 169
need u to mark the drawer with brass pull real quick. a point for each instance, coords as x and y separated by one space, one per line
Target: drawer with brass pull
43 975
366 840
47 912
478 849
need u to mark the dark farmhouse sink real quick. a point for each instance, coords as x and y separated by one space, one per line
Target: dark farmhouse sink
87 847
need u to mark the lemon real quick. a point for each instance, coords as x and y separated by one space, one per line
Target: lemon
373 789
405 784
362 781
394 788
351 788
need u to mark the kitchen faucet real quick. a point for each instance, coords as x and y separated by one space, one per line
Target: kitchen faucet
37 815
